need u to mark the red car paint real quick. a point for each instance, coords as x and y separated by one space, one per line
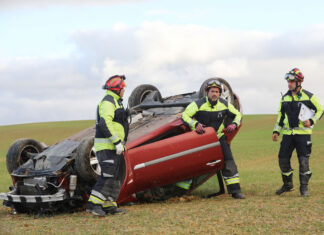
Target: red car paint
170 160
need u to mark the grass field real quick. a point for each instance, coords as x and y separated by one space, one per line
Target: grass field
261 213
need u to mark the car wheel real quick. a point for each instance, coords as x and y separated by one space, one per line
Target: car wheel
227 93
141 92
86 162
19 152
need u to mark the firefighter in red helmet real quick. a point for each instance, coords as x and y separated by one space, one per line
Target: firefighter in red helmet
296 131
110 137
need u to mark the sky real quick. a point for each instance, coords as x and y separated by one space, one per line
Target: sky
55 55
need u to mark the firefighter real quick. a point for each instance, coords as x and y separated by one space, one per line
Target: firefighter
110 137
296 133
211 111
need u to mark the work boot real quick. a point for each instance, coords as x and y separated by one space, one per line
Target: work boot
304 190
303 179
287 186
114 210
95 209
284 188
238 196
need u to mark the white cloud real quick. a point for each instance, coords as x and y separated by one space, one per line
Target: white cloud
47 3
120 27
175 58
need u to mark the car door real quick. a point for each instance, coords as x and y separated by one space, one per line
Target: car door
176 158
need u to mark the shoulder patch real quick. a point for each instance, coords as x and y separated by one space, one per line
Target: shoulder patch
223 101
200 102
309 94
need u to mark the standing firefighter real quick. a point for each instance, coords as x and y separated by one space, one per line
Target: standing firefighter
211 111
296 133
111 134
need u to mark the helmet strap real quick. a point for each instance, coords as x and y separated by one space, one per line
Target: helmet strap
297 86
117 92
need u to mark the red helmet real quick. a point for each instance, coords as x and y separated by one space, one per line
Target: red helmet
115 83
213 83
294 75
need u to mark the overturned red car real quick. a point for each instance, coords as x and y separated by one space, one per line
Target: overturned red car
161 151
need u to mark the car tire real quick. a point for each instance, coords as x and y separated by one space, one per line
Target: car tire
86 162
18 152
139 94
227 93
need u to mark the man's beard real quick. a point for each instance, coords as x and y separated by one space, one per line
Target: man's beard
213 103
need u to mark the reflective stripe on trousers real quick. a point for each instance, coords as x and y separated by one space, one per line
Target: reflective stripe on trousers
287 173
230 181
184 184
96 200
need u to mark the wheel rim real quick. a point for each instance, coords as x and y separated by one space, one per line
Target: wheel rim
94 163
24 156
226 94
144 95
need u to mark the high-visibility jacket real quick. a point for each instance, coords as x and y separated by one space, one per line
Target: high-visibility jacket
288 122
204 112
111 124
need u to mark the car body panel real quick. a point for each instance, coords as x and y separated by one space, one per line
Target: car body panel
174 159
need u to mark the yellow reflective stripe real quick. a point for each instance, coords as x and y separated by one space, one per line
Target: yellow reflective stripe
102 141
297 128
232 181
192 123
95 200
98 194
231 177
287 173
110 140
109 204
305 173
114 138
277 127
183 184
237 121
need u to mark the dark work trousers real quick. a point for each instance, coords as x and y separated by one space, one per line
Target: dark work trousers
303 146
108 183
230 173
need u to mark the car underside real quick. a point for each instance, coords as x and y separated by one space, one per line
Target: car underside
160 152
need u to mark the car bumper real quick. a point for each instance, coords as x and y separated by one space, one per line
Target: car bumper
12 197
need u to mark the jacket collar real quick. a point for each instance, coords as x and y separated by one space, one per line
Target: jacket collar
299 93
207 101
113 94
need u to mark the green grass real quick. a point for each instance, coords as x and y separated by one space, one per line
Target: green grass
261 213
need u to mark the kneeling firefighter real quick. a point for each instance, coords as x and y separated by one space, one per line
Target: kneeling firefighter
111 135
211 111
